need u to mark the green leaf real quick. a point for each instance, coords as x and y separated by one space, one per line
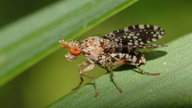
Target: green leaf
30 39
171 89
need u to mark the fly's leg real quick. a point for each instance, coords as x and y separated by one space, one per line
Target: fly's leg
141 70
147 73
81 78
94 83
112 79
89 66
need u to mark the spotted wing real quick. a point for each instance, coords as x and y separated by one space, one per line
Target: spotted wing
136 36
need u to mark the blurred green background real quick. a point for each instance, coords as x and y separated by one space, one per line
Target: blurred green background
54 76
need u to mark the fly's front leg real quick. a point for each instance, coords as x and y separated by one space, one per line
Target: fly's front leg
80 75
94 83
81 78
89 66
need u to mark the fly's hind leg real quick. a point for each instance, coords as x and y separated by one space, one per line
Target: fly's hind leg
141 70
147 73
89 66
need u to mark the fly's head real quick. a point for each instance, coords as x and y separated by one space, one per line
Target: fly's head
73 47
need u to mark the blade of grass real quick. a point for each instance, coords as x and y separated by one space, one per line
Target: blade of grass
171 89
30 39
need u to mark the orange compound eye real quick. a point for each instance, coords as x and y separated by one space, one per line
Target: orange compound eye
75 50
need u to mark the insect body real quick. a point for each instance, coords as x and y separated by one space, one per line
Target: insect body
120 46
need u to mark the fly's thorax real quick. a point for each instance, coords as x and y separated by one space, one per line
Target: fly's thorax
73 46
93 47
